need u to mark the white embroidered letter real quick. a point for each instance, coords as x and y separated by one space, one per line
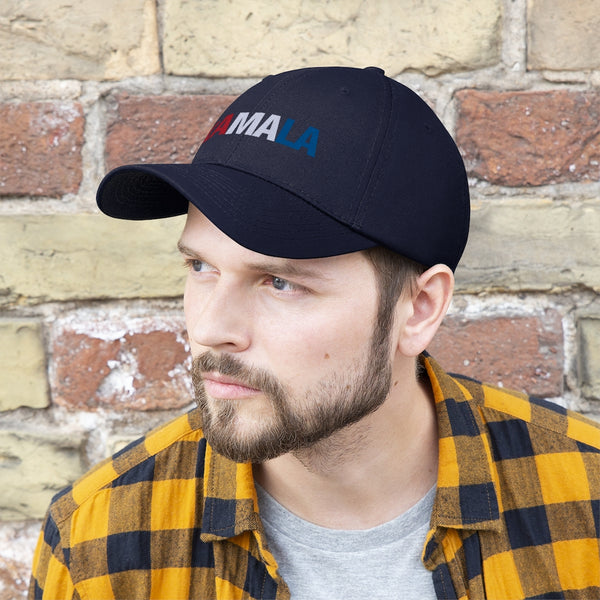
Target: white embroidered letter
243 124
269 128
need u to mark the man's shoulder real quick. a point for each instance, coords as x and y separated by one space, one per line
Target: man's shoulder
546 417
173 451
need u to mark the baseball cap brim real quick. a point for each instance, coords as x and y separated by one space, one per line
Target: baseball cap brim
257 214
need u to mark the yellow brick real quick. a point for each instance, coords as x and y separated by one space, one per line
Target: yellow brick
588 341
23 380
34 468
531 237
563 34
257 37
85 256
50 39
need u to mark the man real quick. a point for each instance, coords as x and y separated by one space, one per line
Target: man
330 456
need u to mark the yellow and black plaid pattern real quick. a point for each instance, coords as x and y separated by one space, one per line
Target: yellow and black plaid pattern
517 512
164 518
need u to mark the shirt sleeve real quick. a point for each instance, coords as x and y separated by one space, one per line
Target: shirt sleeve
51 578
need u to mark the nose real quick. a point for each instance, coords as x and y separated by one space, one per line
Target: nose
217 316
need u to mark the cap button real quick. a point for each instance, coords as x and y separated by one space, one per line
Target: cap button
378 69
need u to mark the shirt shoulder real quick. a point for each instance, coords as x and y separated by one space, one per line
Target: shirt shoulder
172 451
561 425
524 474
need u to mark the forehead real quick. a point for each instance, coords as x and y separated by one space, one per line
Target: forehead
201 237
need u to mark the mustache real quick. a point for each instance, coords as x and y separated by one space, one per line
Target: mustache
228 365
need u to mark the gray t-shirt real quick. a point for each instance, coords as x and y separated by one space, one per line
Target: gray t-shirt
381 563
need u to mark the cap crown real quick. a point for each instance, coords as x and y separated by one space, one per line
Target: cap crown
316 162
362 148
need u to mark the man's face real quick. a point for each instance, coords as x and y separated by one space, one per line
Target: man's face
283 349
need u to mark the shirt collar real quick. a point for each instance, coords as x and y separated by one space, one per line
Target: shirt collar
230 503
466 495
231 506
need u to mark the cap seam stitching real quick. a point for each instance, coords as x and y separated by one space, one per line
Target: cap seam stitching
372 182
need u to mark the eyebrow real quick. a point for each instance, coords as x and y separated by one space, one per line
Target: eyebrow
185 250
282 266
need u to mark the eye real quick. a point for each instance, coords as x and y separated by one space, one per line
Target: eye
197 265
282 285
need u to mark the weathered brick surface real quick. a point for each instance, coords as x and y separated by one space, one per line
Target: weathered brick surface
23 380
162 129
40 148
530 138
563 34
523 353
588 352
62 257
34 468
255 38
531 245
14 577
47 39
142 364
17 541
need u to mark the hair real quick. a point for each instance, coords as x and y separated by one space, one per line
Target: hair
396 275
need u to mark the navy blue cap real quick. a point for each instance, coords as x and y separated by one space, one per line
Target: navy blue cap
316 162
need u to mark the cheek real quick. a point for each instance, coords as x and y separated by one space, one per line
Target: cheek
312 349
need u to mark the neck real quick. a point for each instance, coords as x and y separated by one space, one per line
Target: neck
367 473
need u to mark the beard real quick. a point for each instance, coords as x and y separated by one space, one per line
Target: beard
294 423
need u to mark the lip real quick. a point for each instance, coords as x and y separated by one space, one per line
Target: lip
223 387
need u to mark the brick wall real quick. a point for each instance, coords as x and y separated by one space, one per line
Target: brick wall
92 343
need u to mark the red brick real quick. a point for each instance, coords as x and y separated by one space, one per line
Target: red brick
522 353
40 148
530 138
160 128
144 369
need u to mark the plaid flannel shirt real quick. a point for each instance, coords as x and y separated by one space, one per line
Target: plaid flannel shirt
516 515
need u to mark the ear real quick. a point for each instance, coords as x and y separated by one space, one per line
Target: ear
423 312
